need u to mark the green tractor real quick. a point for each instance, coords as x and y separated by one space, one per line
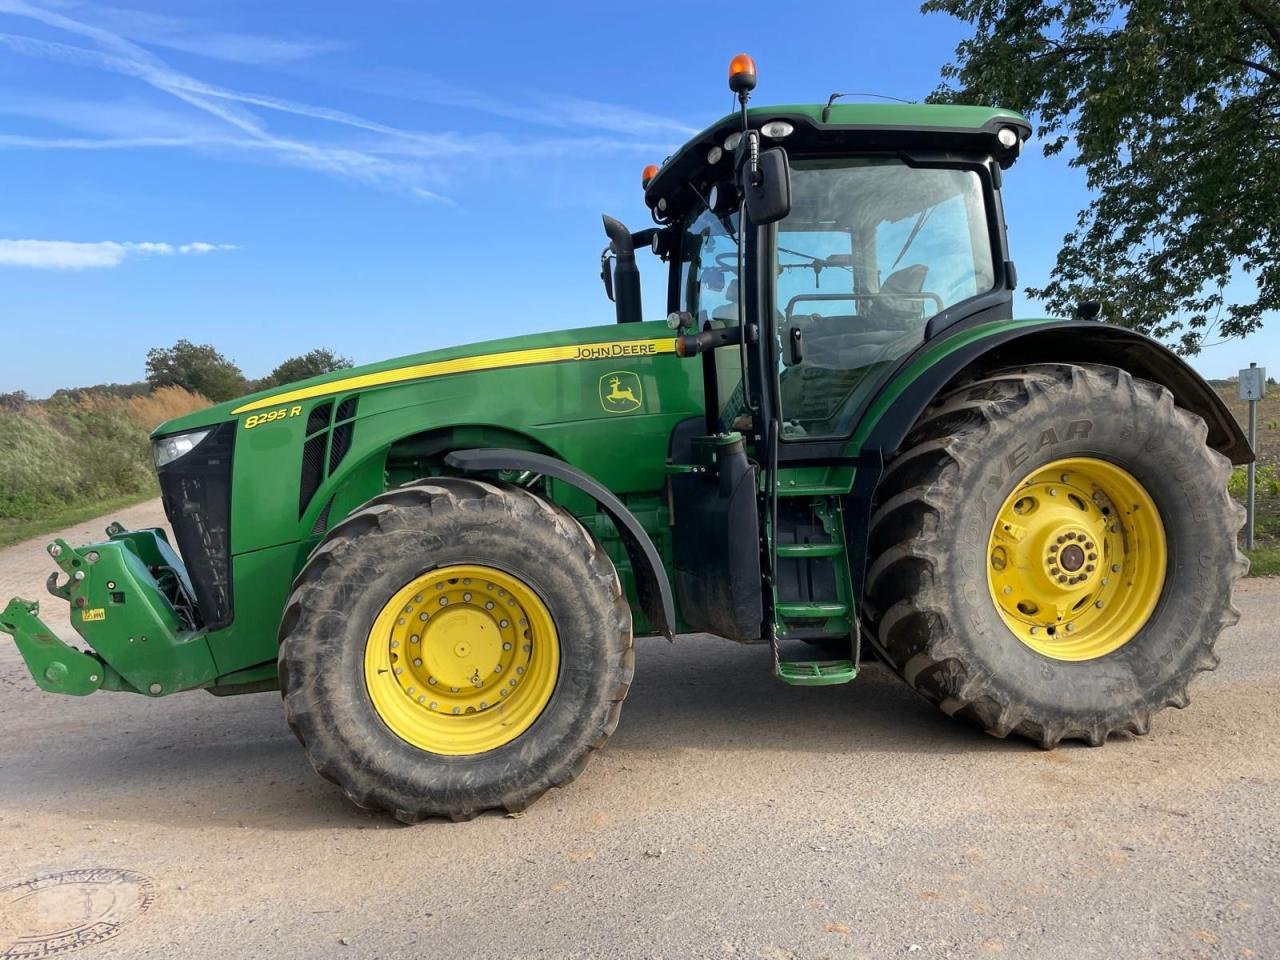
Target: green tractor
839 434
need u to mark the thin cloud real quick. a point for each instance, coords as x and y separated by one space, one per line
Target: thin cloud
387 157
199 247
74 255
186 36
540 109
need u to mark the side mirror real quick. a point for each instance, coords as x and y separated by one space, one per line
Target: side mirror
769 198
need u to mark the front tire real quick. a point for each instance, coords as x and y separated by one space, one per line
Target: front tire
1054 553
455 646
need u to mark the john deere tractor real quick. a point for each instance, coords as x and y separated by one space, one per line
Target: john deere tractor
837 434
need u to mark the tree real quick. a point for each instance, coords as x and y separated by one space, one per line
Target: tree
197 367
311 364
1173 111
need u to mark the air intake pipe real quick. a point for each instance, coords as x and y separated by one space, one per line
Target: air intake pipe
626 275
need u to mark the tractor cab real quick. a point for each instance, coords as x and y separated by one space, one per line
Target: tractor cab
811 250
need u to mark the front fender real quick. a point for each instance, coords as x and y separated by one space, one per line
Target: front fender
651 579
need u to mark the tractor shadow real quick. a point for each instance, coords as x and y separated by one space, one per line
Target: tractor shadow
703 692
194 760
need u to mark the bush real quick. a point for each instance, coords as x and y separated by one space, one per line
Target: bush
71 452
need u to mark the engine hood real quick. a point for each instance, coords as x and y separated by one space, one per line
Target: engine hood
612 340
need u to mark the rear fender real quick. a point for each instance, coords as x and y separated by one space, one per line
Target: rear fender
1056 341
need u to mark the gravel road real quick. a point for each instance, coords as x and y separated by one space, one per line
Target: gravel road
730 816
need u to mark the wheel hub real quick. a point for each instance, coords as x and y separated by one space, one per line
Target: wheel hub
462 659
1076 559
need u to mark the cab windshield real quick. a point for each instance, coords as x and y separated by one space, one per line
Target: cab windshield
871 250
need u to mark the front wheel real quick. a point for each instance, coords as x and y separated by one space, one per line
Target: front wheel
1054 553
455 646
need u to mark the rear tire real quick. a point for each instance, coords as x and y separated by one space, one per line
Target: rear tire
358 734
937 606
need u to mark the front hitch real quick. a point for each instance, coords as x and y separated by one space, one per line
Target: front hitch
132 602
55 667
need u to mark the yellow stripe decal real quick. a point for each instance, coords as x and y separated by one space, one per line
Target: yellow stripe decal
486 361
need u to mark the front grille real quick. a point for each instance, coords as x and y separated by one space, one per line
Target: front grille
196 490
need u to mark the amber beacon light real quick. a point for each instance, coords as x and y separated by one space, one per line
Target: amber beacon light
742 74
647 175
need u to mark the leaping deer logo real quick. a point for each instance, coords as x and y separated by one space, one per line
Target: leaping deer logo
620 392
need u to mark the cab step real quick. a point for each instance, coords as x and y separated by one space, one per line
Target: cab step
811 610
815 673
807 550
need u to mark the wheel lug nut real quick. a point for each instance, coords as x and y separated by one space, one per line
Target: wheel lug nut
1098 604
417 662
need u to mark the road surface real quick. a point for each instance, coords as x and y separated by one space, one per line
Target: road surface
730 816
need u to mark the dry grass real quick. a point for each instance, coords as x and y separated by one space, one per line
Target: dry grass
68 454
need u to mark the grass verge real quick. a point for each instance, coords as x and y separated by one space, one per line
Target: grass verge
57 518
1264 561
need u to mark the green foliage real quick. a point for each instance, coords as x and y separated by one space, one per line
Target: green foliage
62 454
311 364
124 390
1264 562
195 367
1173 109
1267 480
60 458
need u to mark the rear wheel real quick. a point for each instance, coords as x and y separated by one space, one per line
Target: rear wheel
455 646
1054 553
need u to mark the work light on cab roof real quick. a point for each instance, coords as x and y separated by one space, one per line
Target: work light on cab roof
840 433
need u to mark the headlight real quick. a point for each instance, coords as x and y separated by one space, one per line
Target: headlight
169 449
732 140
1007 136
777 129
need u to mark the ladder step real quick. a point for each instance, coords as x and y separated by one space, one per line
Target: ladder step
811 611
810 549
816 673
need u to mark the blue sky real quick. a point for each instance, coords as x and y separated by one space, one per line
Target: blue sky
389 177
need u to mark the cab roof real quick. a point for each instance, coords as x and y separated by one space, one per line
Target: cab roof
934 128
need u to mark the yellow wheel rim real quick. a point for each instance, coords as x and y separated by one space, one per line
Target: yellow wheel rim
1076 560
462 660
